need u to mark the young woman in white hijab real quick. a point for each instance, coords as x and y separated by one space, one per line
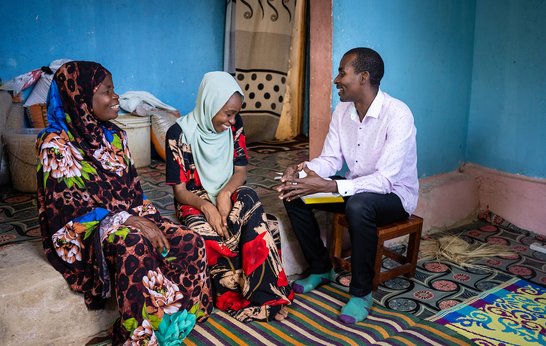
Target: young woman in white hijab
206 166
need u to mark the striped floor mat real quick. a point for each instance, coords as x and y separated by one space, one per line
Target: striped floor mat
313 321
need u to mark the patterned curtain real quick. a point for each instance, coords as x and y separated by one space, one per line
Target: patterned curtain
257 52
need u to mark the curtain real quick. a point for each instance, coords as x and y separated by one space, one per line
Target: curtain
257 50
290 121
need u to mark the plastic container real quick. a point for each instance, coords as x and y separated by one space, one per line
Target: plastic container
138 137
21 145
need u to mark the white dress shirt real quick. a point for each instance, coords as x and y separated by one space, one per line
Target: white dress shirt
380 151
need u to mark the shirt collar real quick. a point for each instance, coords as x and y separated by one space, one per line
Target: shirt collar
375 107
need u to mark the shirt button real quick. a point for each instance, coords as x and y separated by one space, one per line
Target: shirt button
356 160
358 144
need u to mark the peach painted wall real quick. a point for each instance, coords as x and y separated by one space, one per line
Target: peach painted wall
517 198
455 198
447 200
320 83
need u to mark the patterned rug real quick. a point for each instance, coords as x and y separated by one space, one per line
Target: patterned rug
313 321
152 180
18 218
513 313
441 285
269 157
437 285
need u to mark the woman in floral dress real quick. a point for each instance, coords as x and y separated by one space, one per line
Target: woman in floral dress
98 229
206 166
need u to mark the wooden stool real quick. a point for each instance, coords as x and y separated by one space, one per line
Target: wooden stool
412 226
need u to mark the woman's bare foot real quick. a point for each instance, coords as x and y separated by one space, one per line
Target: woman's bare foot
282 314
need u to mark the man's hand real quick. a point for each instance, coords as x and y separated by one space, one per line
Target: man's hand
291 172
212 214
150 231
294 188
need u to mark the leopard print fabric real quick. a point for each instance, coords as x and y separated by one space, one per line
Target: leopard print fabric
138 270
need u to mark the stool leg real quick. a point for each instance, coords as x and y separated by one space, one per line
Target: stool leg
413 250
336 239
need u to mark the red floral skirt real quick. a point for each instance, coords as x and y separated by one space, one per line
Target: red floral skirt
246 270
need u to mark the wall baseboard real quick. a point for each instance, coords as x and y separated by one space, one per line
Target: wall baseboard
447 200
519 199
455 198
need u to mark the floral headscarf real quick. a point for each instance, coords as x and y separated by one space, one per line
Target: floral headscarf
84 171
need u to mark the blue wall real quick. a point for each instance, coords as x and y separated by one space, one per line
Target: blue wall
427 48
507 126
160 46
473 73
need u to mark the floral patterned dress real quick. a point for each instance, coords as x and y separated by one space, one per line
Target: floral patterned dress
87 188
246 270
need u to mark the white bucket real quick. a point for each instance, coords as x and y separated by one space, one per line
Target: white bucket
138 137
21 145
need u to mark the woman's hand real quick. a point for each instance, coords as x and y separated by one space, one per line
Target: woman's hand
150 231
224 205
212 213
214 218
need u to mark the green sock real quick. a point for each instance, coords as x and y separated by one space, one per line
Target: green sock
357 309
311 282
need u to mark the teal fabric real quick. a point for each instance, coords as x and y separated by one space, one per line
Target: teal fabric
356 310
312 281
212 151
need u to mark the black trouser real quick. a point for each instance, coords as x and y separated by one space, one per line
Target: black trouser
364 212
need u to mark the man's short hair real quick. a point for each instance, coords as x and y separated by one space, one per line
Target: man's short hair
369 60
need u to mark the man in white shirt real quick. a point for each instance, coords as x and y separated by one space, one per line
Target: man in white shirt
374 135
